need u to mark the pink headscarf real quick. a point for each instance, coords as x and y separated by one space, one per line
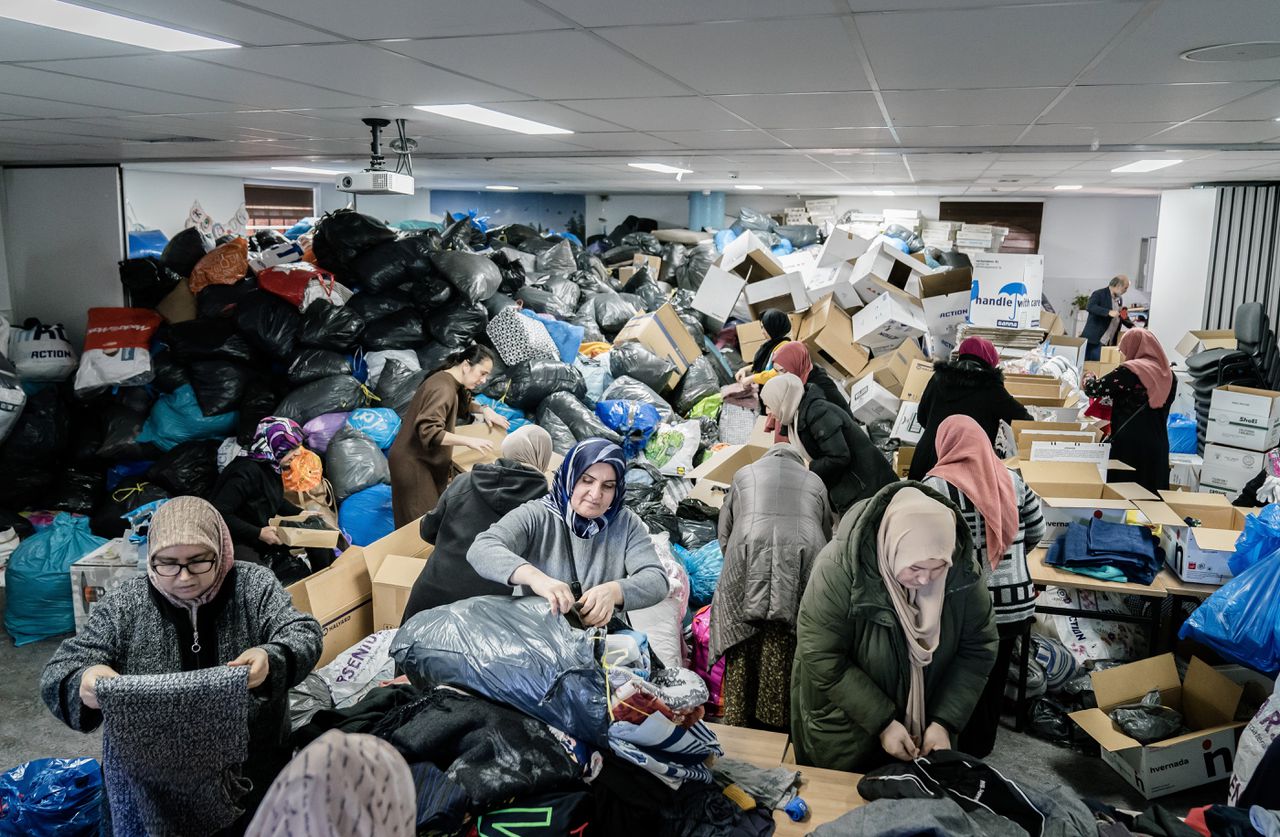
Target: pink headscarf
794 358
967 461
981 348
1145 357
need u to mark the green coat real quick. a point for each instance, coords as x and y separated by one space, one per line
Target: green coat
851 671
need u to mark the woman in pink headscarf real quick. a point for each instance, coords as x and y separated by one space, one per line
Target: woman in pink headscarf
1140 390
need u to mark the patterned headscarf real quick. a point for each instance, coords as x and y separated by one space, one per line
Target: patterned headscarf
273 440
190 521
582 456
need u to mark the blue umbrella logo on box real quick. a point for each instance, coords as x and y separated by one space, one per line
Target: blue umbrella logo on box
1010 297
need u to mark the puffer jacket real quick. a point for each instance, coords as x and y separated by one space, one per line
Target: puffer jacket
966 387
774 522
852 671
841 454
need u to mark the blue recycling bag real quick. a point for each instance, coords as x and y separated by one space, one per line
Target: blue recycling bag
380 424
176 417
144 243
634 421
1261 537
1241 621
51 798
366 515
1182 433
38 603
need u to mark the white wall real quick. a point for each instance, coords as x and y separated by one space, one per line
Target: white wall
1181 270
6 304
162 200
64 234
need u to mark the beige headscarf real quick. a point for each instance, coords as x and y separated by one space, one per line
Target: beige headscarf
915 528
530 445
783 394
341 785
190 521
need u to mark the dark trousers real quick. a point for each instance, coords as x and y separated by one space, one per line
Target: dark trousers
979 737
1093 351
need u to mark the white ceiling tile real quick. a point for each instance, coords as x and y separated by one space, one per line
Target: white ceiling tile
623 141
1006 106
1032 46
687 113
376 19
1084 135
1262 105
1145 102
720 139
49 85
806 110
28 42
784 56
836 137
551 65
1206 131
50 109
627 12
312 124
979 135
233 21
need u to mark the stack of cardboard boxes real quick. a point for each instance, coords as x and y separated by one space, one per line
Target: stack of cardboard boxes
1244 423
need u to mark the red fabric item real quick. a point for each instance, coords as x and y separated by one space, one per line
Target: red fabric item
1145 357
120 328
1195 820
967 461
289 281
794 357
980 347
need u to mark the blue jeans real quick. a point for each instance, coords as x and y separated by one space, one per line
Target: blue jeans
1093 351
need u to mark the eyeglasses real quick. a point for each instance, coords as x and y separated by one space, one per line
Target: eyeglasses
198 567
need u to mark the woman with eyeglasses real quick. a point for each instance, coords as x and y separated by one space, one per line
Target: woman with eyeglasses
196 608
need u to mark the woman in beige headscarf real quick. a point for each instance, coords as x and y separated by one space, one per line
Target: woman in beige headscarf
472 503
895 636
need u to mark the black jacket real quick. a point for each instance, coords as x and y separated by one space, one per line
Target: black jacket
962 387
1099 321
248 494
472 503
830 390
840 453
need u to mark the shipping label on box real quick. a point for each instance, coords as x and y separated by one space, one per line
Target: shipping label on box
944 296
1228 469
886 322
1007 290
1244 417
869 401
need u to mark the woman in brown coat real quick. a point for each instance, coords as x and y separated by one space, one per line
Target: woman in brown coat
421 458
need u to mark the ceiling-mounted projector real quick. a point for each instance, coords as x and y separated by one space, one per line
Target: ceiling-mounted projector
376 180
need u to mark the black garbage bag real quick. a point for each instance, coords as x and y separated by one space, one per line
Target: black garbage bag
476 277
391 263
269 323
401 330
511 234
79 490
542 301
430 292
591 329
108 519
338 394
634 360
170 373
657 517
534 246
580 419
566 289
207 340
457 326
462 234
693 325
562 438
590 285
879 433
710 434
343 235
1050 720
121 424
750 219
650 295
433 357
622 254
513 273
534 380
497 303
557 259
632 224
312 364
695 533
219 385
33 456
259 400
147 281
699 382
354 462
189 468
1148 720
646 243
266 239
673 255
698 261
221 300
333 327
372 306
397 385
613 312
800 235
627 388
184 250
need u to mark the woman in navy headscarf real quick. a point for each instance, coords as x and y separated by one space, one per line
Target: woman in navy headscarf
578 547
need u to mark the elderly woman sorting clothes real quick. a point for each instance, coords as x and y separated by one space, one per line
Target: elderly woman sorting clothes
895 635
578 547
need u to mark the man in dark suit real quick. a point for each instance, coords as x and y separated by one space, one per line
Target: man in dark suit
1103 326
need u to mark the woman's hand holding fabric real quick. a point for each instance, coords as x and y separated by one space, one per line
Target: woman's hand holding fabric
598 604
897 742
936 737
556 592
259 665
89 684
495 419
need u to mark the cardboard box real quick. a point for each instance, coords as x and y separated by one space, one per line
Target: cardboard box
1198 554
394 564
891 318
1184 470
94 575
1098 369
906 427
718 294
750 258
751 336
709 492
902 461
919 374
1207 700
467 458
890 369
293 536
1026 433
944 296
664 334
828 332
882 267
1197 341
1007 290
786 293
1075 492
1228 469
870 401
1052 324
1071 348
1111 355
1243 417
653 263
1037 390
724 463
842 246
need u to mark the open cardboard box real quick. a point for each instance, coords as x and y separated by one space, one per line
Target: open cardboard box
842 246
1196 554
467 458
1197 341
751 336
894 316
750 258
1037 390
663 333
394 564
1207 700
890 369
944 296
1071 348
1075 491
294 536
786 293
718 294
724 463
1052 324
828 332
1026 433
882 267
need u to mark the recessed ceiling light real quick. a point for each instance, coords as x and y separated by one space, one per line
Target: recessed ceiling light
1067 187
747 187
305 170
1142 166
68 17
492 118
1243 51
660 168
882 193
503 188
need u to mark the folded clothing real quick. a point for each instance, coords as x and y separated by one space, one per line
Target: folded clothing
1111 551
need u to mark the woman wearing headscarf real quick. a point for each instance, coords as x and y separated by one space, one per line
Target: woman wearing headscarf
471 504
1005 519
895 637
579 547
794 358
969 385
196 608
421 458
1141 391
828 438
341 785
777 326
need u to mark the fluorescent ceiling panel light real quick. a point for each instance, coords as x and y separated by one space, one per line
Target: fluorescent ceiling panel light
68 17
305 170
883 193
1067 187
492 118
747 187
660 168
1142 166
503 188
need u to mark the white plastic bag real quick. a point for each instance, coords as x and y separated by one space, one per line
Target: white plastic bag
663 623
377 361
672 447
12 399
332 292
1254 742
1093 638
42 352
360 668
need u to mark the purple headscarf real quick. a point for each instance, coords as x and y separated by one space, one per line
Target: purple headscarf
275 438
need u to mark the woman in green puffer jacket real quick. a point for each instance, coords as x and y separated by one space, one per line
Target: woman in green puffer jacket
895 636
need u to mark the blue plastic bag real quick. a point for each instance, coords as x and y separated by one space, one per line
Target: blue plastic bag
51 798
143 243
566 336
1241 621
378 423
634 421
366 516
38 579
177 418
299 229
703 565
1261 537
1182 433
724 238
783 248
516 418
